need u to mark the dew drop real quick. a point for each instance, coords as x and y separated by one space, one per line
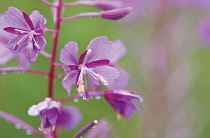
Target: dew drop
91 97
98 97
28 132
17 126
76 100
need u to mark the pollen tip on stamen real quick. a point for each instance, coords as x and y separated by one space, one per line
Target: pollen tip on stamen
101 79
53 128
89 51
118 116
15 46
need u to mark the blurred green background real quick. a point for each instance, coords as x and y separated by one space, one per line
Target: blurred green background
176 99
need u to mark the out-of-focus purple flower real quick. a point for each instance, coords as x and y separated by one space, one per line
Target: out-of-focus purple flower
118 51
94 62
5 53
28 31
204 30
137 7
120 100
101 130
194 3
54 115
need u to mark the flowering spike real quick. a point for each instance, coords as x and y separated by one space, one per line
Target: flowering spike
115 14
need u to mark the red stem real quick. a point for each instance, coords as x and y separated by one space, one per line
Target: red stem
54 49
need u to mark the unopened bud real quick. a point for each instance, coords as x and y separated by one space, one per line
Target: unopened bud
107 5
115 14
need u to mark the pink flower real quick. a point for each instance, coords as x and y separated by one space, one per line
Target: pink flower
120 100
54 115
92 62
28 31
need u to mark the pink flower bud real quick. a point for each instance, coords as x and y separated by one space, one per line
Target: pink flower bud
115 14
107 5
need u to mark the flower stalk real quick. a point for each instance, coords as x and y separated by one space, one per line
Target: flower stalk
54 49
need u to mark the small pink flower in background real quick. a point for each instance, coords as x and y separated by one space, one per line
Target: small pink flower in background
101 130
120 100
54 115
204 30
28 31
94 62
194 3
138 7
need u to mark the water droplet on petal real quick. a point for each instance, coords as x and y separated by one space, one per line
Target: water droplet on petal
17 126
28 132
98 97
76 100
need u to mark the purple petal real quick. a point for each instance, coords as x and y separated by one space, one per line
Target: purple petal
21 46
41 41
69 80
127 109
37 19
122 80
5 55
49 117
97 63
4 36
82 56
28 20
122 94
12 30
107 72
118 51
34 55
100 48
68 54
15 18
70 117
